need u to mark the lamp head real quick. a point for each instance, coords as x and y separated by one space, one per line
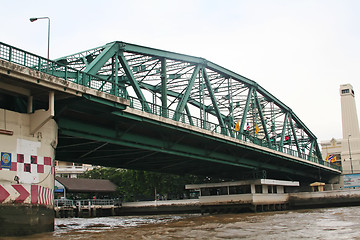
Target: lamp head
33 19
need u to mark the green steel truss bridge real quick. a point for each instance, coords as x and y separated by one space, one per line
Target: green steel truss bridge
175 113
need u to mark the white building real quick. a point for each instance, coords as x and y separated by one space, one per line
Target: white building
347 149
70 170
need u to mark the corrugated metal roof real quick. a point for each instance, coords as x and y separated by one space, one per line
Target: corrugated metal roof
86 185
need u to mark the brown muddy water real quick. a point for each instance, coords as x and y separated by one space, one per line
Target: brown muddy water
329 223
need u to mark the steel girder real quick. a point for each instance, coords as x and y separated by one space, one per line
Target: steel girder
184 145
198 92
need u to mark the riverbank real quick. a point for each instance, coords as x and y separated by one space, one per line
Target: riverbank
221 204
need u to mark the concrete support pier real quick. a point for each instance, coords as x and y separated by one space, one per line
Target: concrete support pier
27 149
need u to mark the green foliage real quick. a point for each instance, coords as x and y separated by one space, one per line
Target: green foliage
133 185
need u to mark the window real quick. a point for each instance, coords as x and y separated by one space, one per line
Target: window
258 188
345 91
272 189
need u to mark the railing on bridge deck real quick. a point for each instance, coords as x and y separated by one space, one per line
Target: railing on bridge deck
21 57
57 69
86 202
203 124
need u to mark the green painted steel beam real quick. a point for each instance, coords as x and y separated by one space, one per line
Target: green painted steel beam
159 53
189 115
270 153
262 119
74 128
104 101
182 102
317 150
133 81
295 137
284 129
80 129
178 95
311 146
164 93
108 52
213 100
246 109
115 75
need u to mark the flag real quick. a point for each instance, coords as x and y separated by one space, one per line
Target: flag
330 158
334 159
237 126
247 126
257 129
327 157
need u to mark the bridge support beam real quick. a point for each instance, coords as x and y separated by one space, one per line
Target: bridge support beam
41 117
26 174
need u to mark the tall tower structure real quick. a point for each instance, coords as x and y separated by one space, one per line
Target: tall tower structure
350 153
350 123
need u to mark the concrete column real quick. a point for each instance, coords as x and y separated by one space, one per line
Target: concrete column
265 189
112 211
252 186
26 175
30 104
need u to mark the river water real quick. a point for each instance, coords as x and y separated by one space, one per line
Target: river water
327 223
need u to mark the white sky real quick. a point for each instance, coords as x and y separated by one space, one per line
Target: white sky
300 51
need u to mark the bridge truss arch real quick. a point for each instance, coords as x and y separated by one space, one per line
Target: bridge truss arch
195 91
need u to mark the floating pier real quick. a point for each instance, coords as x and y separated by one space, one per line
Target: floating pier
86 208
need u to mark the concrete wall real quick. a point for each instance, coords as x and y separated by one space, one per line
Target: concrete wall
26 174
326 198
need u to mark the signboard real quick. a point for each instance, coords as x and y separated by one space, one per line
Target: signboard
351 180
6 160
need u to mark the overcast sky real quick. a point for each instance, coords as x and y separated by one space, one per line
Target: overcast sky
298 50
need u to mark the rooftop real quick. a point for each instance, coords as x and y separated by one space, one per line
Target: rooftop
86 185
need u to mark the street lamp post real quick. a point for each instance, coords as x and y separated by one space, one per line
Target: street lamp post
352 171
33 20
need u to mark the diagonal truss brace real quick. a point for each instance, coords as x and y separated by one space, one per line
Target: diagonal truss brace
133 81
284 129
101 59
295 137
214 102
247 105
181 104
262 119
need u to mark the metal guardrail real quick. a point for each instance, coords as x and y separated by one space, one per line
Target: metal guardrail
203 124
63 203
86 202
21 57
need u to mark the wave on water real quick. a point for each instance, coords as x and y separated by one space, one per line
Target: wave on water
107 223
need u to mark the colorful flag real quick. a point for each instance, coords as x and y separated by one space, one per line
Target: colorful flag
237 126
330 158
247 126
334 159
257 129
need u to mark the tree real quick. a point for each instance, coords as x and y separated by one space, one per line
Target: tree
133 185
